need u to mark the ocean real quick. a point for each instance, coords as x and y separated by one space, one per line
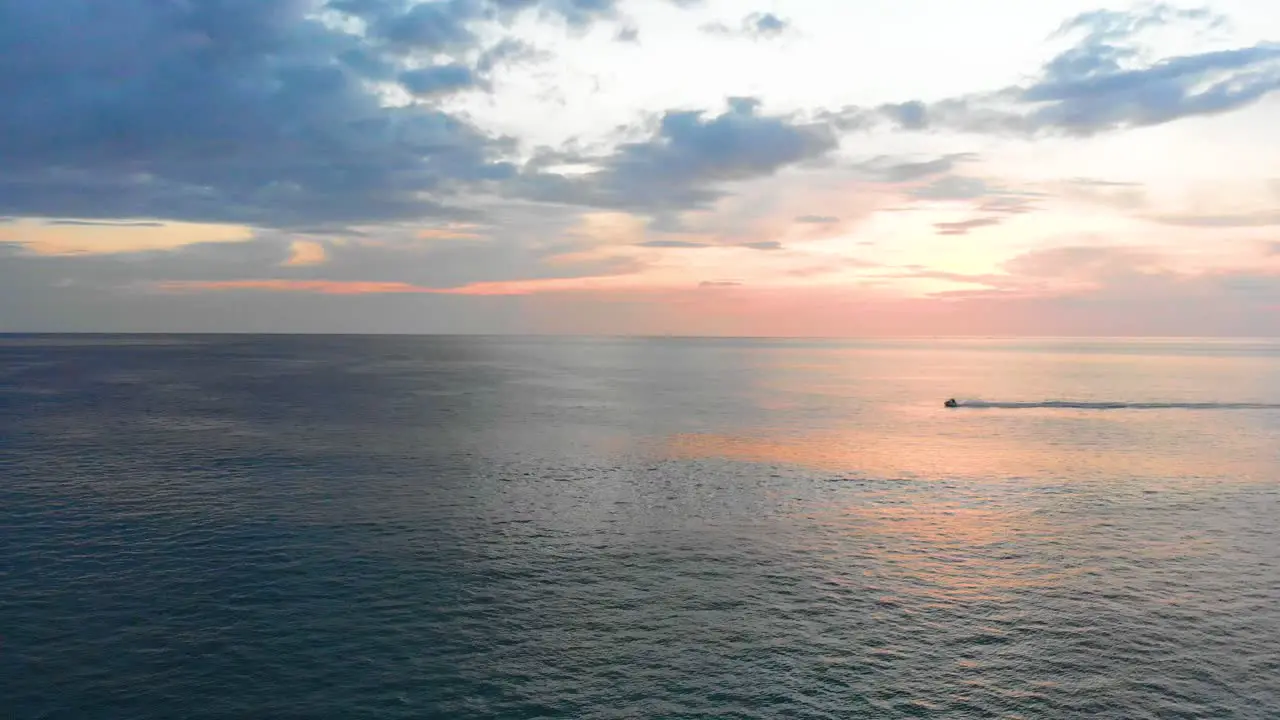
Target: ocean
475 527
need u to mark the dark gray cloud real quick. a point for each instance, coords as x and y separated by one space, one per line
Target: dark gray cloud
444 25
211 111
508 52
249 111
688 155
439 79
756 26
435 26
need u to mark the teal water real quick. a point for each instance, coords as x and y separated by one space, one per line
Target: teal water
364 527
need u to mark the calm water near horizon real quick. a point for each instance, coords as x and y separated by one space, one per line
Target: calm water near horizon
480 527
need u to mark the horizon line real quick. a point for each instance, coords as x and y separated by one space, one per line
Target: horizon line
628 336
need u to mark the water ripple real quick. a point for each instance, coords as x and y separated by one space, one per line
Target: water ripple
199 543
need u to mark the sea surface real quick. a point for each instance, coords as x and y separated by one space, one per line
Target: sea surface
469 527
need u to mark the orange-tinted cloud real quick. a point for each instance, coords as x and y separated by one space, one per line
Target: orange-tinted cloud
82 237
324 287
449 233
305 253
361 287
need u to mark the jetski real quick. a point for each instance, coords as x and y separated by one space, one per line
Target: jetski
950 403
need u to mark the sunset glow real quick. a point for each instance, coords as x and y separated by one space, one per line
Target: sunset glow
643 166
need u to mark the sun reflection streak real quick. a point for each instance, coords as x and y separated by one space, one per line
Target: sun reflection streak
865 453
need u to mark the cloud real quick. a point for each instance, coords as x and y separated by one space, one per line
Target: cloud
719 283
321 140
766 24
332 287
762 245
1085 262
325 287
266 113
1120 291
1103 82
952 187
434 26
673 244
832 265
231 112
364 285
75 238
448 232
1256 219
534 245
1124 196
1063 271
439 79
986 197
98 223
686 158
1096 182
447 25
894 170
911 115
686 244
509 52
304 253
755 26
963 227
1007 205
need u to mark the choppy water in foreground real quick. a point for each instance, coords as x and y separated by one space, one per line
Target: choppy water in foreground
347 527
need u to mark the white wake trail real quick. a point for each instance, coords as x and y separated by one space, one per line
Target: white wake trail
1117 405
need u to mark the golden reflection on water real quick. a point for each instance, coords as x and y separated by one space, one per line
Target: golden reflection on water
886 453
876 412
935 544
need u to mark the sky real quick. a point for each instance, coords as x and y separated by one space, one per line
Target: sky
651 167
